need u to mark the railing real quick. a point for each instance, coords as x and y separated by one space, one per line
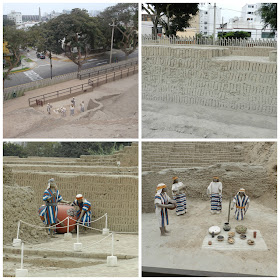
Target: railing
164 40
75 90
107 70
20 89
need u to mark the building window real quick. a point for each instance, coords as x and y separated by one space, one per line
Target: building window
206 13
205 22
268 35
205 27
205 33
250 6
249 19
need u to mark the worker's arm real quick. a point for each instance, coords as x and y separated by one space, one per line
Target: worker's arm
81 215
165 205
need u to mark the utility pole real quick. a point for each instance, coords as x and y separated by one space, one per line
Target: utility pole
112 39
214 25
222 27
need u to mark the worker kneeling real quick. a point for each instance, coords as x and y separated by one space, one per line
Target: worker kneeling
84 212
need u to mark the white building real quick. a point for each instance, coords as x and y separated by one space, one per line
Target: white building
206 19
16 17
249 21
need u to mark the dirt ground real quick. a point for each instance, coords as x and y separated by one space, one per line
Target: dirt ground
56 257
182 248
163 120
116 116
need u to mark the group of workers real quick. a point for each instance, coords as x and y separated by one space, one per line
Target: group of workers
48 211
214 191
63 110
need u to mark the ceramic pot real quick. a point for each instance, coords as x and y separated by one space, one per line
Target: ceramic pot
227 227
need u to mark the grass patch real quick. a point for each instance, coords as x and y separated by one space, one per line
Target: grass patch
20 70
28 60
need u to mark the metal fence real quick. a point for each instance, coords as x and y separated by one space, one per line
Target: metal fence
164 40
79 89
107 70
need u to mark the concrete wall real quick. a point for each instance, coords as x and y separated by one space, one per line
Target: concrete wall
210 76
196 163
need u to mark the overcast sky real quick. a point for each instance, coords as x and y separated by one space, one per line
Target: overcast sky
33 8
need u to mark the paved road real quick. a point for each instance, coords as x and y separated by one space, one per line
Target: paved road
42 68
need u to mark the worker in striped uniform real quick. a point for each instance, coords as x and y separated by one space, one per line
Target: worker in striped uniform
84 212
241 203
178 192
51 196
214 191
161 206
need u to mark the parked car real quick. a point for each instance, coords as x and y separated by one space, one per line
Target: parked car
38 55
42 56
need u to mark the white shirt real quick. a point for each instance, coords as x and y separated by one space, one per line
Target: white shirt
176 187
215 187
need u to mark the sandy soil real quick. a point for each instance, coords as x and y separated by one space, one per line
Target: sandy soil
182 248
45 259
162 120
116 116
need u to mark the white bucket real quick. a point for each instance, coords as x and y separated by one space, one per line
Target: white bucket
112 261
16 242
105 231
21 272
78 247
68 236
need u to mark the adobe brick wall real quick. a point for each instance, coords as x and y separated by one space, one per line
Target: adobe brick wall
209 76
114 192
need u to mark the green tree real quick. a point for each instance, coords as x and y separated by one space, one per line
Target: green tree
75 34
234 35
43 37
12 149
268 13
16 40
41 149
178 15
124 16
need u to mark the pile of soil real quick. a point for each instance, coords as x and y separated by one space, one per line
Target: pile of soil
18 205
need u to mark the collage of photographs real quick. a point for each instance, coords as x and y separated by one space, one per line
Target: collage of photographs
139 139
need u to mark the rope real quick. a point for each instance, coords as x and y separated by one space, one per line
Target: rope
126 232
86 226
53 226
99 241
45 226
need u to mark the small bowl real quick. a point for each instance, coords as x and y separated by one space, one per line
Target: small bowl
243 236
231 234
251 242
220 238
231 240
209 242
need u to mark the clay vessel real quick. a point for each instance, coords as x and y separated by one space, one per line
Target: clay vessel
226 227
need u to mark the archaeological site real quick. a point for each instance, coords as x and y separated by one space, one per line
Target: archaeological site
109 182
190 248
110 98
209 91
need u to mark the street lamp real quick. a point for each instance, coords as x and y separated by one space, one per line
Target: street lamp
112 39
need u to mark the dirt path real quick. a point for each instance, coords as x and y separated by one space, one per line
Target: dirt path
182 248
116 116
163 120
56 258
